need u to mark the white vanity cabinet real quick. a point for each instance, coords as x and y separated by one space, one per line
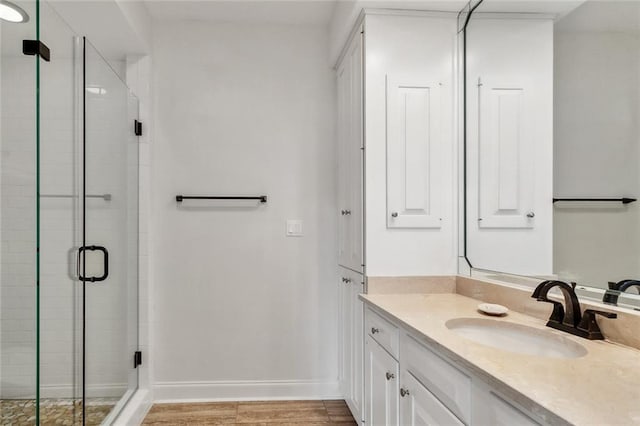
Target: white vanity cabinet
409 383
396 166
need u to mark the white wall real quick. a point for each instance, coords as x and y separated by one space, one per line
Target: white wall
240 310
597 149
413 48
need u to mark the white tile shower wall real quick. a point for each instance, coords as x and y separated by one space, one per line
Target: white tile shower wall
17 228
239 309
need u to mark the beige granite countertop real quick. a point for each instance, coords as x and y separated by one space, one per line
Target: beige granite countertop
600 388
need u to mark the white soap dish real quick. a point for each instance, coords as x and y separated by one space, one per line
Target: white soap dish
493 309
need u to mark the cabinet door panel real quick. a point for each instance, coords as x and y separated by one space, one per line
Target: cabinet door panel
346 332
350 139
356 144
343 83
419 407
381 386
414 154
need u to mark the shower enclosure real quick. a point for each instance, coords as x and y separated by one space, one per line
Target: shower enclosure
68 226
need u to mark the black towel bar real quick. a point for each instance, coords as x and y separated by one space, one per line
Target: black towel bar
610 200
179 198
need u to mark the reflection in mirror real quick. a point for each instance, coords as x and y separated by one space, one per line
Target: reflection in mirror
553 142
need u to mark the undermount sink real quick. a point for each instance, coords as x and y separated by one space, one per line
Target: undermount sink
516 338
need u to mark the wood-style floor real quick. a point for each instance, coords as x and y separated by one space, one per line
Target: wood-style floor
264 413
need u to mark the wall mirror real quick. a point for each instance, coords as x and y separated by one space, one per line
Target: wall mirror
552 143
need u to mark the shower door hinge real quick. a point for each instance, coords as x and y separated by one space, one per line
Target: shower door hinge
36 47
137 128
137 359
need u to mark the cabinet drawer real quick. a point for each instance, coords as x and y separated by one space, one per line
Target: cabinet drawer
496 411
418 406
447 383
382 331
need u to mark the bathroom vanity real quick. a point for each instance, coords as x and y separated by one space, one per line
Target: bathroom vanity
420 370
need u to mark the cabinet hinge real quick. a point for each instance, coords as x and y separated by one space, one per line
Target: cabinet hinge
137 128
36 47
137 359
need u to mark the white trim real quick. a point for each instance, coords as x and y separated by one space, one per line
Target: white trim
245 390
411 12
356 28
513 15
135 410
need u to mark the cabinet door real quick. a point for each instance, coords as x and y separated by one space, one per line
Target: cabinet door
346 332
350 169
357 324
352 340
344 118
381 386
415 174
418 406
355 147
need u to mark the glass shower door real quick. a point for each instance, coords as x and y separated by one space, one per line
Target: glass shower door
108 259
18 177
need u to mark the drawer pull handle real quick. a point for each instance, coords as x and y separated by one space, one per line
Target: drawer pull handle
374 330
346 280
390 376
404 392
394 214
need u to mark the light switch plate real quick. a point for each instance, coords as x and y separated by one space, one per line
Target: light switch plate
294 228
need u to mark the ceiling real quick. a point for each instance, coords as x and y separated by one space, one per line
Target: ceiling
305 12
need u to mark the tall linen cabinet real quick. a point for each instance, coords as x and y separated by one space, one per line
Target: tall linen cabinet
397 167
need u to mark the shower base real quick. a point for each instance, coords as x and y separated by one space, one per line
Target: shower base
65 412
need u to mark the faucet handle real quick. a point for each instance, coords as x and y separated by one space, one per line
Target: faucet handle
590 325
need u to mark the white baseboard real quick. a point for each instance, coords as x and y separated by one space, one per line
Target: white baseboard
136 409
245 390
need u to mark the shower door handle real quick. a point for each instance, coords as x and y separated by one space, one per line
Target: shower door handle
105 258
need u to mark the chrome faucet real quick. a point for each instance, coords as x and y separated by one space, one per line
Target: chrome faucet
568 318
615 289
